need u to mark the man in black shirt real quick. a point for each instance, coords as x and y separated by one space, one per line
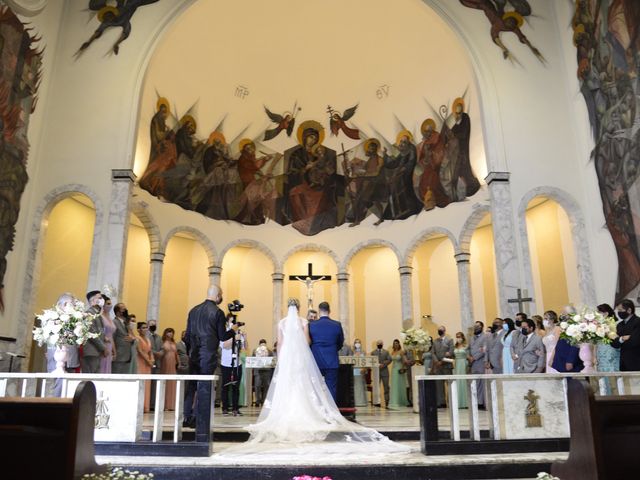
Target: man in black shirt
206 328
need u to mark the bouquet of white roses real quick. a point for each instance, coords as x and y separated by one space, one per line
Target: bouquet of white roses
416 338
64 325
588 326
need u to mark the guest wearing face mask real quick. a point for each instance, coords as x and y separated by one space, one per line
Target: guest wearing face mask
551 338
156 350
477 356
507 341
628 340
359 382
122 340
442 362
109 329
494 347
461 352
608 357
530 351
384 359
95 348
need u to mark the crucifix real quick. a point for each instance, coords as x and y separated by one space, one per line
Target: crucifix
309 280
520 300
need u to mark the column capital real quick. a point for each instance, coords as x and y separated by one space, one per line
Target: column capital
462 257
497 177
405 270
277 277
123 175
342 277
214 270
157 257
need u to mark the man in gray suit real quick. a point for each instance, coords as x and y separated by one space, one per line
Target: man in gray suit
95 348
442 361
122 340
384 359
530 352
477 356
493 359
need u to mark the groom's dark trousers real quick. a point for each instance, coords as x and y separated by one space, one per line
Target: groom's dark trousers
331 379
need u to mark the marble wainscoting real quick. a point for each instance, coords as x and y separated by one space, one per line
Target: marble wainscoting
517 398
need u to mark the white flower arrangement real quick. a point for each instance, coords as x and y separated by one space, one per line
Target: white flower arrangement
588 326
416 338
64 325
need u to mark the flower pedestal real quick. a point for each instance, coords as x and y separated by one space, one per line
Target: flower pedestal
586 355
60 356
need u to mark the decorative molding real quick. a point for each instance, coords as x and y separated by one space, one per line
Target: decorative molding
200 238
123 174
27 8
422 237
312 247
344 266
261 247
497 177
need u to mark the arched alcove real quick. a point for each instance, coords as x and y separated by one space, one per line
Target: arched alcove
246 276
552 254
323 263
185 279
135 286
66 250
374 300
435 284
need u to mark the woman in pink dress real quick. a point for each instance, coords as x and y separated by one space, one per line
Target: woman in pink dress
109 328
168 366
145 361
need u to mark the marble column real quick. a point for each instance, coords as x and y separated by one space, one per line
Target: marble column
278 284
214 275
504 241
115 246
406 296
343 303
464 288
155 282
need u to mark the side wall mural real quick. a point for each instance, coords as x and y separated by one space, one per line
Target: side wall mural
606 36
20 64
309 185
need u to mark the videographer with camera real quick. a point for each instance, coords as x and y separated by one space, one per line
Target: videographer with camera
230 363
206 328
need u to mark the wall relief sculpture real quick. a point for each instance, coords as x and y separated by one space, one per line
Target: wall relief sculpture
20 69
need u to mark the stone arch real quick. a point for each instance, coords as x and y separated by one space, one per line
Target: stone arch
344 266
424 235
478 213
578 233
252 244
34 260
200 238
140 209
311 247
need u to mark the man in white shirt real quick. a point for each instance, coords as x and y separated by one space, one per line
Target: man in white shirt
231 375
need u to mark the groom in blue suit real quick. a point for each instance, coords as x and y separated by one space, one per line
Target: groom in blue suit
326 339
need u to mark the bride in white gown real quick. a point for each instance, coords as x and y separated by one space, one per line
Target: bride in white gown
300 413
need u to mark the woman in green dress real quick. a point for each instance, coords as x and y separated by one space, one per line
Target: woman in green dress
460 353
398 394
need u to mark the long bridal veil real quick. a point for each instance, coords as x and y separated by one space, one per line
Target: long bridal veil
300 413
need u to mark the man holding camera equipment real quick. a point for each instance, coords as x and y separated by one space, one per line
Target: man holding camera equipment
231 369
206 328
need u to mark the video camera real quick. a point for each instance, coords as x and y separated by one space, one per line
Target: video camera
234 308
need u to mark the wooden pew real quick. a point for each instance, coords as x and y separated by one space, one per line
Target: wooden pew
49 437
605 435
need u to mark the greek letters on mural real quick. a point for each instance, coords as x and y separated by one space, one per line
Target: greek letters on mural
309 185
607 39
20 64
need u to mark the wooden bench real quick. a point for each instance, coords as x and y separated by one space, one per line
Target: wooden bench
49 437
605 435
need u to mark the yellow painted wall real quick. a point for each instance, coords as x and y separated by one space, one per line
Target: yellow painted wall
185 279
246 276
375 307
550 247
483 275
323 291
135 286
66 252
435 286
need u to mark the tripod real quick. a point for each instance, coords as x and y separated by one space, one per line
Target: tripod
232 376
